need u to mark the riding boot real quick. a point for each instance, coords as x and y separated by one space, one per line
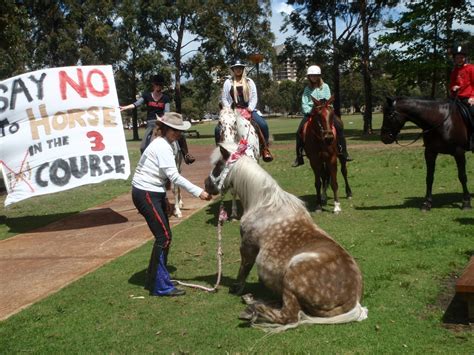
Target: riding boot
299 157
188 158
265 152
342 148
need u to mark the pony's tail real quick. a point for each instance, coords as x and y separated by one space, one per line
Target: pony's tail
357 314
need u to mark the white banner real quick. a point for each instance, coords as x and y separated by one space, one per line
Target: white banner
60 128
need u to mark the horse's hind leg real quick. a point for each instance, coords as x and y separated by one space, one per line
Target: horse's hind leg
466 196
343 162
248 254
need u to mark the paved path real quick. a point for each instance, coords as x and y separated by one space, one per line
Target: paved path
36 264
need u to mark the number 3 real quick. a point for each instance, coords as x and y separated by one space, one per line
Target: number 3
96 140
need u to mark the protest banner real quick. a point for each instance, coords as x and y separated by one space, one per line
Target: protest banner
60 128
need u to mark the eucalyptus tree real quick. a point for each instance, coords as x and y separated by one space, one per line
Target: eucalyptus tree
422 36
14 39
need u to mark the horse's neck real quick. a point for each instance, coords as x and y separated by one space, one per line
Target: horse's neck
417 111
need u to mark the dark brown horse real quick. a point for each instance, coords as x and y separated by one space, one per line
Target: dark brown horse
320 145
444 132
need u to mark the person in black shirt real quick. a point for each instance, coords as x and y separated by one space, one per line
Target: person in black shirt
157 103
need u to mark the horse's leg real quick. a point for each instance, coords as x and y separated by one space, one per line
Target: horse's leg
235 212
343 162
286 315
466 196
430 159
332 172
317 168
178 203
248 254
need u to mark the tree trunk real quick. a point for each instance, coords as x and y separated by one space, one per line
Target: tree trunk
336 75
366 69
177 59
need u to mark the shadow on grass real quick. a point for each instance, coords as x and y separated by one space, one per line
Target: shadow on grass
442 200
63 221
213 209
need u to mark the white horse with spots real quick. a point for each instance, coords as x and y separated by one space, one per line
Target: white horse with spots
317 279
234 128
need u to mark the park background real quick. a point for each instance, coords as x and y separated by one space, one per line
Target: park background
409 260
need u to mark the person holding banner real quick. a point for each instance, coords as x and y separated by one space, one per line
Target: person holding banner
157 103
155 168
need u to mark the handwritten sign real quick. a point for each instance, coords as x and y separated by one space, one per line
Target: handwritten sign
60 128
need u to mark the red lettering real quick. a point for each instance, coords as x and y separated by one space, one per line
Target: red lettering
96 140
105 83
79 87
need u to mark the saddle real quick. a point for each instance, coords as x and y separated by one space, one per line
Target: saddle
468 118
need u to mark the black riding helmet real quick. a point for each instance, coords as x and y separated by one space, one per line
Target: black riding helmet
459 50
158 79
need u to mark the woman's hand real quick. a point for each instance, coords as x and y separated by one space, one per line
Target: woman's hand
205 196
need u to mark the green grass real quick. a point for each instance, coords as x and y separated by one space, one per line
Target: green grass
408 259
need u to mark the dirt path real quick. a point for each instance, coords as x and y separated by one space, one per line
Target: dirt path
33 265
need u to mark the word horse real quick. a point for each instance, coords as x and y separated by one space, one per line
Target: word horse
317 279
444 132
233 128
321 149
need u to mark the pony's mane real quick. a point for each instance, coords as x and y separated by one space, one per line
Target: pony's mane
258 189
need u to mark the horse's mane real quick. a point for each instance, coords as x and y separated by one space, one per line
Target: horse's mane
258 189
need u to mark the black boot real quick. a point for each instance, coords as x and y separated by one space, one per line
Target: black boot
342 147
188 158
299 158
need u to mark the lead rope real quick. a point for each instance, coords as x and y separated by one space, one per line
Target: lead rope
221 219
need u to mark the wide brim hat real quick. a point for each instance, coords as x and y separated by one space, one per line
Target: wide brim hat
174 120
237 64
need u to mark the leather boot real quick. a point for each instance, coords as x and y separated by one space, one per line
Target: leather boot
342 148
188 158
264 151
299 158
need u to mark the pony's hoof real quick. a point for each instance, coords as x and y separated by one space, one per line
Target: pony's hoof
425 207
236 289
318 210
466 205
248 299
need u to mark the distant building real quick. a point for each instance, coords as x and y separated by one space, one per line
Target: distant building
286 70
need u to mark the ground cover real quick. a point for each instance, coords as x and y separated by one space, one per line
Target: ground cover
408 259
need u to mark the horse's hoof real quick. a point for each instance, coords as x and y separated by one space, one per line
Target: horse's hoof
466 205
248 299
318 210
425 207
236 289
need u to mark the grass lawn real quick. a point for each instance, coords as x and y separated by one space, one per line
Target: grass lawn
409 260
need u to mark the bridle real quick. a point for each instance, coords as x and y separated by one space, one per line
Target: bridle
394 117
318 122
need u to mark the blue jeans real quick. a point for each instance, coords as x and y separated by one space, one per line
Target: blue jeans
257 118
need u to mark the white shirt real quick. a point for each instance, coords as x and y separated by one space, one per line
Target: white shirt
156 166
227 100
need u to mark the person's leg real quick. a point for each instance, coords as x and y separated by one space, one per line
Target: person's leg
341 139
263 135
188 158
299 143
152 206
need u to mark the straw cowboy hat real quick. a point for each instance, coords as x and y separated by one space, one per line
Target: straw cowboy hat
174 120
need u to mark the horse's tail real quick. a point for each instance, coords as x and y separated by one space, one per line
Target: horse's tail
357 314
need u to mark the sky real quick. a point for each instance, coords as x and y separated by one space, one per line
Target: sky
279 7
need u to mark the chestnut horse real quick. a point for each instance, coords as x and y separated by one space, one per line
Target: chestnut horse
317 279
320 146
444 132
233 128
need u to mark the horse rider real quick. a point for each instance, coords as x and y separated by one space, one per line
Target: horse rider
318 90
240 92
461 84
157 103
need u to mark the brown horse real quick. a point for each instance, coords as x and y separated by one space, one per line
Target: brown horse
317 279
320 145
444 132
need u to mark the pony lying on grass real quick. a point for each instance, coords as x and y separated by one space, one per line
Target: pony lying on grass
317 279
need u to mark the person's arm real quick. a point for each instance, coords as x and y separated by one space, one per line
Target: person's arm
137 103
177 179
226 99
306 101
253 96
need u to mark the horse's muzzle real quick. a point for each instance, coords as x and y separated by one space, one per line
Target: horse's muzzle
387 137
210 187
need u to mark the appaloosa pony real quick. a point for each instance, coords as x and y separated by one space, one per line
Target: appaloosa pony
320 146
444 132
317 279
232 129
